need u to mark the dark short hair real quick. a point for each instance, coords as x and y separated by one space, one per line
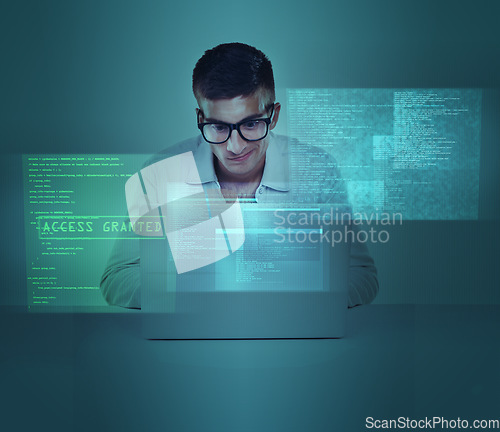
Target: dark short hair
231 70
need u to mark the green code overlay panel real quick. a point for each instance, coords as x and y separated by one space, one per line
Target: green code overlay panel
75 208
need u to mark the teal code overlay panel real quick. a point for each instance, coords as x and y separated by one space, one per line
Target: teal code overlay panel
414 152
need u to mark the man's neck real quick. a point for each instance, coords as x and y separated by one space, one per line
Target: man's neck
243 186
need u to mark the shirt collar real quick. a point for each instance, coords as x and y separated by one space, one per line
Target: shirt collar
276 169
204 165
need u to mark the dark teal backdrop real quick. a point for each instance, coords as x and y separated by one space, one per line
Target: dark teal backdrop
103 76
114 77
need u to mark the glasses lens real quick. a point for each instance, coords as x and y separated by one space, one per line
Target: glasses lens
216 132
254 129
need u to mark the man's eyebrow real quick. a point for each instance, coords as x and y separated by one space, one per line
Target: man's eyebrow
250 117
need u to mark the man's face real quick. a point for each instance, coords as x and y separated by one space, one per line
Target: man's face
238 159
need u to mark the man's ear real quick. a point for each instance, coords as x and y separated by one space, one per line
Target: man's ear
276 115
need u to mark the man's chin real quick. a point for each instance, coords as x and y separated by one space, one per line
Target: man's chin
238 170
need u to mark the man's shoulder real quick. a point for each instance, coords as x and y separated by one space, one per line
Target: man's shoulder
190 144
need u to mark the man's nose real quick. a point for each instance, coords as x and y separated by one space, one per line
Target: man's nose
236 144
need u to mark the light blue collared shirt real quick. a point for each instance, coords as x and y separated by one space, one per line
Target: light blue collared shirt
294 174
275 178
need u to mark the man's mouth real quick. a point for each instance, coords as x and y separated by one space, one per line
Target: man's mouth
241 158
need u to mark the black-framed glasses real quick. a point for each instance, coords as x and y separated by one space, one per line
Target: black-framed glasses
249 130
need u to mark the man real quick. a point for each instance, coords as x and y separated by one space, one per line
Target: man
238 154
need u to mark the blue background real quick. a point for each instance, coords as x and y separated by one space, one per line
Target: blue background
114 77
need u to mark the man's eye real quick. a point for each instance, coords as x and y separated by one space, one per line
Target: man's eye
250 124
219 128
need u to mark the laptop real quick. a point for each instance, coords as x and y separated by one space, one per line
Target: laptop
289 279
